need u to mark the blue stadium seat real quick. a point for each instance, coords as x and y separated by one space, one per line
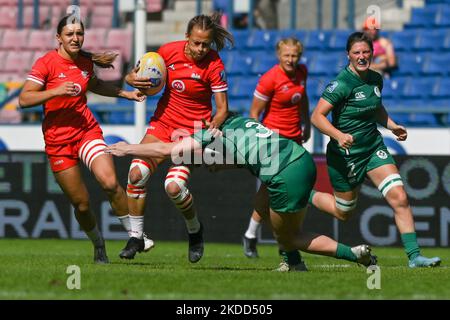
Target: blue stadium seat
437 64
121 117
263 64
431 40
241 105
301 35
326 64
417 88
245 88
393 88
338 40
315 87
240 38
318 40
409 63
442 90
261 39
422 18
239 64
443 19
422 119
399 118
404 40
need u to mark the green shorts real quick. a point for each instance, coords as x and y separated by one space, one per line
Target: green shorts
348 172
290 188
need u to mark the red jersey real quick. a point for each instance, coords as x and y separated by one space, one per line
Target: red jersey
67 118
284 95
189 86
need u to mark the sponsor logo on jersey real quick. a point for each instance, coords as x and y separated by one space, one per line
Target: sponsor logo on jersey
77 90
195 76
178 85
377 92
84 74
61 75
73 67
188 65
333 85
360 95
382 154
223 76
296 97
172 67
284 88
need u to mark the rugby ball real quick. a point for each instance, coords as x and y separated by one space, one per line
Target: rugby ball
151 65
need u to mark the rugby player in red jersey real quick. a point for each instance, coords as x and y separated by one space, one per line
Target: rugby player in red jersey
194 73
59 80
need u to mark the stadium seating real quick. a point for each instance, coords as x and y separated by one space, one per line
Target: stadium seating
423 52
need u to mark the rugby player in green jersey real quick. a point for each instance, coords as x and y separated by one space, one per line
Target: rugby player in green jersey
356 148
286 168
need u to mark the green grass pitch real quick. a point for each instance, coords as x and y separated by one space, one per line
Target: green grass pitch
36 269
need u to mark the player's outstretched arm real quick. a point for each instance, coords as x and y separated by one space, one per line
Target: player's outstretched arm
103 88
154 149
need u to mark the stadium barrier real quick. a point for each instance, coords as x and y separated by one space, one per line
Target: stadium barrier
33 206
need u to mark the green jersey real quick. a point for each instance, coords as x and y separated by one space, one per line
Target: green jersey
247 142
355 105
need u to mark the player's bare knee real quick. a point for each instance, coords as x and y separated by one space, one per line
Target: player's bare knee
398 198
110 185
176 182
172 189
135 175
81 206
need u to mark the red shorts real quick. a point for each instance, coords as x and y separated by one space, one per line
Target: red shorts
65 156
167 133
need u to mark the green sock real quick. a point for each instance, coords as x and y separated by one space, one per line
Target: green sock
311 195
345 252
409 241
290 257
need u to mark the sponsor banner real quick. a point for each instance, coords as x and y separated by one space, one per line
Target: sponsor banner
427 182
33 206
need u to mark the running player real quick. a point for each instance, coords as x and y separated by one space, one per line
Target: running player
281 97
194 73
356 149
59 80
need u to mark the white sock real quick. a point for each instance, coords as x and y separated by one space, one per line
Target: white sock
192 225
252 229
137 226
96 237
125 221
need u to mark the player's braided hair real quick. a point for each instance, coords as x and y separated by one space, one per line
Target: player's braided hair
102 60
212 22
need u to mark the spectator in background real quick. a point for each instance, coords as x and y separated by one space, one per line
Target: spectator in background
59 81
384 59
281 95
266 14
